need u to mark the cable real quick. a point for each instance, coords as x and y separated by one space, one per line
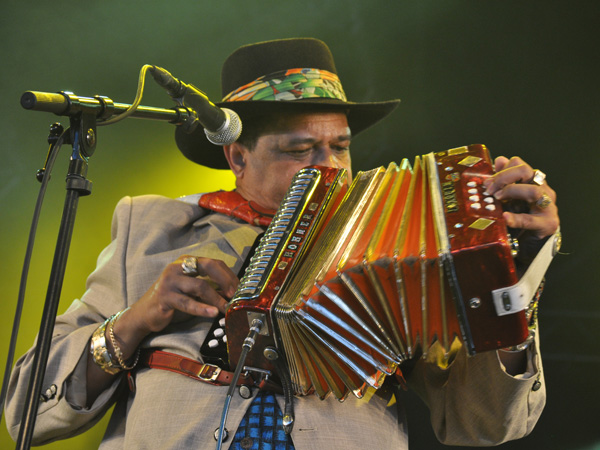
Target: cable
255 328
52 155
136 101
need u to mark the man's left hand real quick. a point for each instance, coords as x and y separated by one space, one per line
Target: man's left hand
514 180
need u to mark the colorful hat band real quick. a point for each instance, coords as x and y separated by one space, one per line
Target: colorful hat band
291 84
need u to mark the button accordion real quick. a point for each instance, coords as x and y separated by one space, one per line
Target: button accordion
351 281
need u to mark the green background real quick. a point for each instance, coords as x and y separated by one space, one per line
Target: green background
520 77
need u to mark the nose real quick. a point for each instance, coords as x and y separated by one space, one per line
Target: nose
328 158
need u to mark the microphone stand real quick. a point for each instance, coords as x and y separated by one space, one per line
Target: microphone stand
83 113
83 140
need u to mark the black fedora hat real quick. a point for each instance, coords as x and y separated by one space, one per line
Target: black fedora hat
286 75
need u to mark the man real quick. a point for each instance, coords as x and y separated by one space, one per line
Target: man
172 266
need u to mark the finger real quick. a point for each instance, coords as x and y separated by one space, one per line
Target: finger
513 162
202 291
213 276
186 304
159 306
530 193
515 171
541 225
220 273
500 163
214 270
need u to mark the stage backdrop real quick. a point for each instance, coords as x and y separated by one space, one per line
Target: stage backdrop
520 77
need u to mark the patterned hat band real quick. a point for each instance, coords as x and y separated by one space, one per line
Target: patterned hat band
291 84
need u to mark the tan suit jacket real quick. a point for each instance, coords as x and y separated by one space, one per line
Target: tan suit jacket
472 402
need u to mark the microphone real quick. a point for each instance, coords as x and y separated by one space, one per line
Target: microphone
222 126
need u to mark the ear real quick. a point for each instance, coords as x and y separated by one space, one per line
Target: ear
236 157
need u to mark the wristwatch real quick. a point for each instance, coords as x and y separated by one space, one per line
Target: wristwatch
99 351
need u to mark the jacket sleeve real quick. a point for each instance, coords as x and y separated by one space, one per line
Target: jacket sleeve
474 401
61 411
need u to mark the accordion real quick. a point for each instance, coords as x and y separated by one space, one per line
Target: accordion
351 281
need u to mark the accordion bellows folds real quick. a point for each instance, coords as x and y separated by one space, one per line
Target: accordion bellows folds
352 281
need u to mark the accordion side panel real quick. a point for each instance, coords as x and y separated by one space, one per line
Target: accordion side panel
480 255
279 253
489 331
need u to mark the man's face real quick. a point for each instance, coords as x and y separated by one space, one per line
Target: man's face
294 142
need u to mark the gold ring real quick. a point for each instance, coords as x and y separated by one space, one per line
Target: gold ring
190 266
538 177
543 201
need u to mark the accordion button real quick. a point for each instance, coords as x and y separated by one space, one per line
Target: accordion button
490 207
222 322
474 198
472 191
219 332
213 343
471 184
476 206
488 200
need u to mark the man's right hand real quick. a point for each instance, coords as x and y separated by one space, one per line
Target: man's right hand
174 297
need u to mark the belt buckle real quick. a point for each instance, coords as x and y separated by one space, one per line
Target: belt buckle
209 372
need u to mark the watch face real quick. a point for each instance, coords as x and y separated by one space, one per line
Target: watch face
100 353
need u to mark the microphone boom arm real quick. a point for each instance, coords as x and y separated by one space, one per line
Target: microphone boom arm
69 104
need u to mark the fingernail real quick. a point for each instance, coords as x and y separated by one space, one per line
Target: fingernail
498 195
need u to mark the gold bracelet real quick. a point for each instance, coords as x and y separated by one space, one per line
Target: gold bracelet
113 341
99 351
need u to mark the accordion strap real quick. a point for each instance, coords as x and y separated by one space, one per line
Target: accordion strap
207 373
517 297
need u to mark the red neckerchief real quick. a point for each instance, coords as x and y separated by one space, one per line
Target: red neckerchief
233 204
